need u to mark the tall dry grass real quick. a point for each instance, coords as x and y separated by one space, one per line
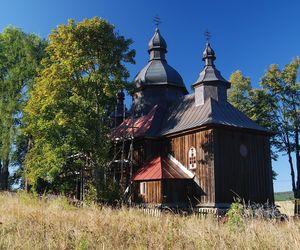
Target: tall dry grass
29 223
286 207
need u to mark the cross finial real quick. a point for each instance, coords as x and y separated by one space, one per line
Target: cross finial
207 36
157 21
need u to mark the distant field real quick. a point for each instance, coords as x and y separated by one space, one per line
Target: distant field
285 201
29 223
284 196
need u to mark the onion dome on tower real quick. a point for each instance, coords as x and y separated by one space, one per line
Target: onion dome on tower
157 83
210 83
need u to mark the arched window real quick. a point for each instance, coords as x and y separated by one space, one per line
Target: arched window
192 158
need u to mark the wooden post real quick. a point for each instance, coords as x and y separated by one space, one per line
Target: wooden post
297 207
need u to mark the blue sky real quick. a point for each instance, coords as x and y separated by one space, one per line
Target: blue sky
246 35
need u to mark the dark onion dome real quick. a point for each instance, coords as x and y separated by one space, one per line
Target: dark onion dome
210 73
157 41
158 71
208 53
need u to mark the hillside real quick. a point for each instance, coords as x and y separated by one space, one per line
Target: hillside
284 196
29 223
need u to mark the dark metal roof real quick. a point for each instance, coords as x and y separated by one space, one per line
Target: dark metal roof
186 115
158 72
208 52
210 74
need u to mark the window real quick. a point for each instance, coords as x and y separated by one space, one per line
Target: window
192 158
243 150
143 188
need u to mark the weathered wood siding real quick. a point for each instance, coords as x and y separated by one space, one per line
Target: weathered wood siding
173 192
203 142
248 175
222 170
177 192
152 195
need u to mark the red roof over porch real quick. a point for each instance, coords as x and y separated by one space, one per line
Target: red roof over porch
160 168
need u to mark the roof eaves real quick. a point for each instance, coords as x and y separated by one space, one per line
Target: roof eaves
181 166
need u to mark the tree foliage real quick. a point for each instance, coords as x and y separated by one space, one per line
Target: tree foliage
239 93
67 111
20 54
281 92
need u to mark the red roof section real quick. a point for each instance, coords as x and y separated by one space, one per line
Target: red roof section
160 168
139 125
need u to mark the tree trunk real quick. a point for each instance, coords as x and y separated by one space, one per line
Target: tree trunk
289 151
29 146
297 191
297 157
4 175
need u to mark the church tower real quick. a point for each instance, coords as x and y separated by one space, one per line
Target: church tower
157 83
210 83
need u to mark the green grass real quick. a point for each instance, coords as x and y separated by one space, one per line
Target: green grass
284 196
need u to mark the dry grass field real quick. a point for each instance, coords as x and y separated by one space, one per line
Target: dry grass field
30 223
286 207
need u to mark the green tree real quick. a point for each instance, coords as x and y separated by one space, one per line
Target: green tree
67 112
239 93
20 54
281 93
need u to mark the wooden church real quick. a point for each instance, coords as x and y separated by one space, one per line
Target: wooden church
189 149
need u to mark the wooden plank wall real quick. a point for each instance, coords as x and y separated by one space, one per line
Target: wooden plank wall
153 192
221 169
203 142
249 176
177 192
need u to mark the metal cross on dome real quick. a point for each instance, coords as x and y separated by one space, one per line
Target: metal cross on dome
157 21
207 36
